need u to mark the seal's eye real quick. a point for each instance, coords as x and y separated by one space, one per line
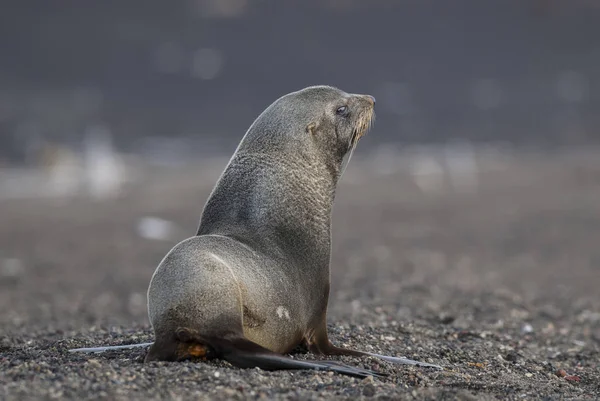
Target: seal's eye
342 111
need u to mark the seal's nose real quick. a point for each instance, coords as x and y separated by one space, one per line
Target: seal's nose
371 99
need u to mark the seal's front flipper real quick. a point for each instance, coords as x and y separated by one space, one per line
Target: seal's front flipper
110 348
244 353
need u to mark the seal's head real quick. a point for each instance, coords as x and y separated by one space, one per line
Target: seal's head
343 119
317 121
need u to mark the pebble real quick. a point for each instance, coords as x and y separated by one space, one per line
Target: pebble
368 379
511 357
527 328
368 390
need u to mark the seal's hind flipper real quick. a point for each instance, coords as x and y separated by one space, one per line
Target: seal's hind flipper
110 348
268 361
244 353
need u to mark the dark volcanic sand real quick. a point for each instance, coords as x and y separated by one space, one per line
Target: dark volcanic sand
501 287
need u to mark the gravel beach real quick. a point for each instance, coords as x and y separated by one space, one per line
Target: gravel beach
497 282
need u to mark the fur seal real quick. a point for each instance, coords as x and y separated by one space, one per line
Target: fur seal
253 283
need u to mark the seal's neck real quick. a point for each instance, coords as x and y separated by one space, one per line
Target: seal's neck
283 203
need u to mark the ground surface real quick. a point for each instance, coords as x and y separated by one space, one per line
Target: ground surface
500 286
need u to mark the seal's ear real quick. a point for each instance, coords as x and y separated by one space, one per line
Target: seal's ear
311 128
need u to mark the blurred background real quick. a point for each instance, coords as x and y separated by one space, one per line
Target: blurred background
182 79
116 118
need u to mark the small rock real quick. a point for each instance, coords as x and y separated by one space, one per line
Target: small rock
477 365
368 379
93 362
446 319
527 328
528 374
511 357
369 390
561 373
550 328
